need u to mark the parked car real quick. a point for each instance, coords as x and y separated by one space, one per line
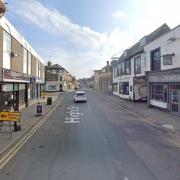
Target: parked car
80 96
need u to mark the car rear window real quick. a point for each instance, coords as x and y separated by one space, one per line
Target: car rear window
80 94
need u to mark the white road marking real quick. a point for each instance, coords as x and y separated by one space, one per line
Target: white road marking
73 115
71 120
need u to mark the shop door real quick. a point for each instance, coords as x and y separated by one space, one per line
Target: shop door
175 101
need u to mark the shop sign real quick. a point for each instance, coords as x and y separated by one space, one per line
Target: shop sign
36 80
169 76
10 116
8 74
32 80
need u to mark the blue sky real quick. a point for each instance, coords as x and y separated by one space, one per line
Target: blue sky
82 35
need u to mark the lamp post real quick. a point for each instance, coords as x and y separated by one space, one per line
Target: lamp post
2 8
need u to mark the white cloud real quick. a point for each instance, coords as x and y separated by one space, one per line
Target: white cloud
119 14
88 49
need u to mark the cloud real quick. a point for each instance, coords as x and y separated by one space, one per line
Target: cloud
119 14
85 48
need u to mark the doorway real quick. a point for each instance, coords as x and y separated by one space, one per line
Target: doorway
175 101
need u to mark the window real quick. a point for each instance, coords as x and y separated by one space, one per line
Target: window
159 92
128 67
156 60
124 88
60 78
51 87
115 87
37 68
115 72
29 63
124 68
6 50
137 65
25 56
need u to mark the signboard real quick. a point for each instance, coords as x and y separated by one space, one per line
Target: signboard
165 76
10 116
43 94
8 74
39 110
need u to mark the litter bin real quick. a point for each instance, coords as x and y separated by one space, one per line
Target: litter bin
49 100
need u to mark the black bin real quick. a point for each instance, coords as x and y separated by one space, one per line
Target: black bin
49 100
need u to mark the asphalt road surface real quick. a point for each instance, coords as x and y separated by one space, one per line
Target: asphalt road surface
96 140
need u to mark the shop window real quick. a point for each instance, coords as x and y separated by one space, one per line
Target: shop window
137 65
124 88
159 92
6 50
52 87
115 87
156 60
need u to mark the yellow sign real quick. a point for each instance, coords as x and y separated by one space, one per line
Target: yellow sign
43 94
10 116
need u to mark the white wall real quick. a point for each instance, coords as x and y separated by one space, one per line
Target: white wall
167 47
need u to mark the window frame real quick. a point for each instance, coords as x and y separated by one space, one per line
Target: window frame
137 65
154 65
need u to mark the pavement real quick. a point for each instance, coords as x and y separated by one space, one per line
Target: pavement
153 116
28 121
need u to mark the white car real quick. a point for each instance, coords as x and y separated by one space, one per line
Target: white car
80 97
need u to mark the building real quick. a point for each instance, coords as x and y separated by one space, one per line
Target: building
129 74
58 79
21 70
163 71
96 80
104 79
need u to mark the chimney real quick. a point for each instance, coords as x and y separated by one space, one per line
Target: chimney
49 63
107 63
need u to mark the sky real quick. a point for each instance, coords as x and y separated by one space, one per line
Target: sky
82 35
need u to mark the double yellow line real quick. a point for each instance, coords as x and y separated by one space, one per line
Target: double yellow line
10 154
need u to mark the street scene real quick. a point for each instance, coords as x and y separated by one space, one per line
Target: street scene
89 90
102 140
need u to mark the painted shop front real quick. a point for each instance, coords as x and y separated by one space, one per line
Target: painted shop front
164 90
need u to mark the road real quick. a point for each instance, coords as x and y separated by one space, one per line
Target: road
96 140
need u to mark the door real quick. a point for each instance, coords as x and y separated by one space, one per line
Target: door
175 101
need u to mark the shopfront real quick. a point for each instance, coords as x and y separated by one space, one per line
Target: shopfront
164 90
13 93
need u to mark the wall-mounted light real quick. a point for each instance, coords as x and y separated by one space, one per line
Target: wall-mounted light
12 54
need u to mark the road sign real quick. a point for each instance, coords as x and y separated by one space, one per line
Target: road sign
10 116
